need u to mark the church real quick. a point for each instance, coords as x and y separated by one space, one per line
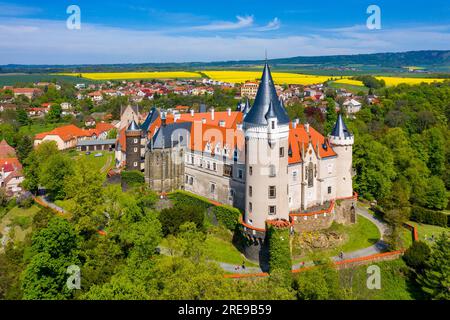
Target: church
253 158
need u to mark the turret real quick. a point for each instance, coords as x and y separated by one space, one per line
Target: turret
342 142
133 136
266 127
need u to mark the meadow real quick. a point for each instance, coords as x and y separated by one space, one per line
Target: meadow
134 75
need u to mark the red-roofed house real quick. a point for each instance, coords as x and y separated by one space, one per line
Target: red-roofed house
6 151
30 93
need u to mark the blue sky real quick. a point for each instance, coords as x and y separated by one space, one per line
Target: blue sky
35 32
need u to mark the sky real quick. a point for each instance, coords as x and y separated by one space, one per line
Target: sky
36 32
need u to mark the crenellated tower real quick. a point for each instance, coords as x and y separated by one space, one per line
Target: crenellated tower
342 142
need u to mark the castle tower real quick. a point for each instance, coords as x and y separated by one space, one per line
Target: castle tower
266 128
133 146
342 142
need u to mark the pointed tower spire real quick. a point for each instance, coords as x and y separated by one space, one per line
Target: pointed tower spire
265 95
340 130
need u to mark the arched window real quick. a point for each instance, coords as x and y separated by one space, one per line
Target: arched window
310 175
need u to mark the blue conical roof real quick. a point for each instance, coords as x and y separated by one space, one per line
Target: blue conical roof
133 126
340 130
265 95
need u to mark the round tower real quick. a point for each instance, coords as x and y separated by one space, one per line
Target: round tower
266 128
133 146
342 142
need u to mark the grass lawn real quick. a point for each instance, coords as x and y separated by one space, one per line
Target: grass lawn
224 251
36 128
349 87
19 220
425 231
102 164
360 235
394 282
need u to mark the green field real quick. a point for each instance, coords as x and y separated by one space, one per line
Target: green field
102 164
35 128
426 231
19 221
13 79
394 282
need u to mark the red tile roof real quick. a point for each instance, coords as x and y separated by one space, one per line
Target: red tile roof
69 132
6 150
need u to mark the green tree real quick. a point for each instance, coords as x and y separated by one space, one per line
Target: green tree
55 248
24 147
417 255
53 174
54 114
435 280
22 117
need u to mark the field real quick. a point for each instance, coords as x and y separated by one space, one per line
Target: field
278 77
17 79
102 164
39 127
18 221
134 75
426 231
390 81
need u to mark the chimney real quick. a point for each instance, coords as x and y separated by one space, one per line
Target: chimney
307 127
229 111
192 112
212 114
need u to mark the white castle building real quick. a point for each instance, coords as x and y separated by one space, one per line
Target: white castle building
253 158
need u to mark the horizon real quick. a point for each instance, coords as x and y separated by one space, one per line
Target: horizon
136 32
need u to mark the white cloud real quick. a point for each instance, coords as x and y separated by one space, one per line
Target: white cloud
30 41
275 24
242 22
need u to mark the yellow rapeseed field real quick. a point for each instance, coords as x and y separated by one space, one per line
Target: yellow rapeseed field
391 81
135 75
278 77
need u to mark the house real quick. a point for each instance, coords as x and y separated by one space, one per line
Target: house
7 106
96 96
68 136
351 106
6 151
89 121
66 105
37 112
11 175
249 89
30 93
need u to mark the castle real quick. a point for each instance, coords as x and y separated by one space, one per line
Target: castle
253 158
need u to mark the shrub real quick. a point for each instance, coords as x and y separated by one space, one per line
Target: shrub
279 250
183 198
416 255
228 216
132 177
172 218
22 221
428 216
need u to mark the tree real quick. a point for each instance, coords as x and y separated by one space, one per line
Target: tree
53 174
85 188
112 134
172 218
435 142
321 283
417 255
436 194
435 280
331 115
33 163
374 165
24 147
55 248
22 117
54 114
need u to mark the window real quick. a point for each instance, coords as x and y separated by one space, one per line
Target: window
294 175
191 181
310 172
214 166
135 164
250 191
272 171
187 179
235 155
213 188
135 149
250 207
135 140
273 125
250 170
272 210
192 159
227 170
281 152
240 174
329 190
272 192
208 165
